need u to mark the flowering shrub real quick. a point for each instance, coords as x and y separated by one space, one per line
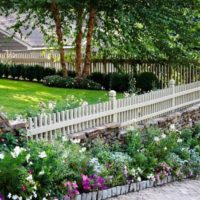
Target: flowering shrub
63 169
93 183
71 190
162 170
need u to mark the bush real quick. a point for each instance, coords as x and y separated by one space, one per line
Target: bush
97 77
9 141
81 83
42 169
147 81
36 72
112 81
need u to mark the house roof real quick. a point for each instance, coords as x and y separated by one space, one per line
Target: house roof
32 41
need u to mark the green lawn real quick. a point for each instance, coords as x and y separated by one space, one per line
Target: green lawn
18 96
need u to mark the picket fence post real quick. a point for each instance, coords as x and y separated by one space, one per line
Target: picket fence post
113 100
172 86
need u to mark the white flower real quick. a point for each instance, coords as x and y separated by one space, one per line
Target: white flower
9 195
35 187
30 178
165 148
51 105
82 150
163 136
28 157
131 128
41 173
42 154
34 194
139 178
14 197
179 140
44 198
20 198
65 139
17 151
156 139
150 176
1 156
126 94
75 141
30 163
84 103
172 127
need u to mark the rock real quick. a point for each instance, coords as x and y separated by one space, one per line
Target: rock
137 186
100 195
119 190
94 195
4 124
109 191
114 191
127 188
143 185
80 136
89 196
123 189
133 187
78 197
105 194
84 196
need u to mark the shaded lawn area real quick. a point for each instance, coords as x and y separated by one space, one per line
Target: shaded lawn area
18 96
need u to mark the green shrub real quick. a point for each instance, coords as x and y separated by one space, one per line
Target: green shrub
97 77
31 73
9 141
80 83
147 81
112 81
15 71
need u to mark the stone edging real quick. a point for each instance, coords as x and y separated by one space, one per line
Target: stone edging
124 189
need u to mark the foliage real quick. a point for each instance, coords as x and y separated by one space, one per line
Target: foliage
65 168
25 72
80 83
147 81
9 141
115 28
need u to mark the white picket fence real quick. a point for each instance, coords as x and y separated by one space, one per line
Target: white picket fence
127 111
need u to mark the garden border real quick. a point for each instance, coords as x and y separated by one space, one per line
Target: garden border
128 188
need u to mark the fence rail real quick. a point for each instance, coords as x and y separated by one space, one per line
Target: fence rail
164 72
127 111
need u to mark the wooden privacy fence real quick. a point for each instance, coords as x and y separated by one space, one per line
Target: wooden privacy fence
127 111
164 71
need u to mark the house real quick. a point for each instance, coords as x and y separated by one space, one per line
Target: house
19 43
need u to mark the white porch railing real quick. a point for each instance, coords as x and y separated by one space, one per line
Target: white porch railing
127 111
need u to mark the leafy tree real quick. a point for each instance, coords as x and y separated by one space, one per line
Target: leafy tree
154 29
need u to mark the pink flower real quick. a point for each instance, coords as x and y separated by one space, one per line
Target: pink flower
23 188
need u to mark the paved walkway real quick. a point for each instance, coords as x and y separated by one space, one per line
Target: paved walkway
186 190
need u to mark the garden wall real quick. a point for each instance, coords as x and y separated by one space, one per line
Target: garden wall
113 131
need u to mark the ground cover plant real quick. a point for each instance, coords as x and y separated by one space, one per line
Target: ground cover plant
19 96
65 168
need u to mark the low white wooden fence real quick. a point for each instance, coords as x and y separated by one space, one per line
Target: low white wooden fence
127 111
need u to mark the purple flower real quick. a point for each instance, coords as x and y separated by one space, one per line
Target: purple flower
2 197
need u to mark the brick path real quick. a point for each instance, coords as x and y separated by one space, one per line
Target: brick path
186 190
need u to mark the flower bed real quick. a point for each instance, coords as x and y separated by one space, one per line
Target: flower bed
95 170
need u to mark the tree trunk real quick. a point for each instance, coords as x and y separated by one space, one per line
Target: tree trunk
57 18
79 37
91 22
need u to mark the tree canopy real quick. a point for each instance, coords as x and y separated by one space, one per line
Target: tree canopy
141 29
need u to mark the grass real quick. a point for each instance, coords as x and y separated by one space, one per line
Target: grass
18 96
